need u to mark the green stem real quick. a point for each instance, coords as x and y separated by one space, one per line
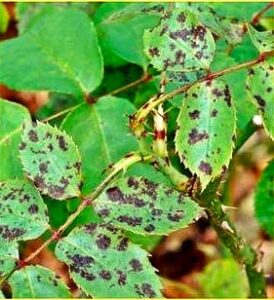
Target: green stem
151 104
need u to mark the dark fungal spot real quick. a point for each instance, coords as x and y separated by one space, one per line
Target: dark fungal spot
87 275
195 114
154 51
145 290
149 228
103 241
33 136
43 167
156 212
90 228
33 209
55 283
269 89
81 261
181 18
103 212
122 278
195 136
214 113
179 57
199 32
131 221
50 147
22 146
115 194
133 183
205 167
260 101
136 265
183 34
176 217
62 143
77 166
227 97
123 244
164 30
199 54
106 275
216 92
10 233
39 182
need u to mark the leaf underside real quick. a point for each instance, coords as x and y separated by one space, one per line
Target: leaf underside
104 263
145 207
51 160
206 127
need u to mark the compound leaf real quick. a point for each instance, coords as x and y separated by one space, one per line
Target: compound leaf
206 127
51 160
23 213
179 43
104 263
264 204
37 282
52 55
12 117
8 257
260 88
262 40
220 273
145 207
101 130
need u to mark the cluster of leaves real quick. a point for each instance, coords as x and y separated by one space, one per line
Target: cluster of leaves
70 51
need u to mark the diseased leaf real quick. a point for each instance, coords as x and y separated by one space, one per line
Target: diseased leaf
101 131
12 117
51 160
260 87
264 199
8 257
37 282
145 207
262 40
122 32
23 213
104 263
206 127
223 279
179 43
53 56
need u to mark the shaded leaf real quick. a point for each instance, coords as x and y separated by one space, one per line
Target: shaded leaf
4 18
101 131
260 87
51 160
206 126
12 117
104 263
8 257
263 40
37 282
121 32
145 207
44 61
224 279
23 213
264 199
179 43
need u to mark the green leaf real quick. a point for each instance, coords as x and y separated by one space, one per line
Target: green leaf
23 213
104 263
223 279
37 282
179 43
8 257
4 18
102 134
263 40
145 207
2 295
122 33
260 88
51 160
264 196
12 117
206 126
53 56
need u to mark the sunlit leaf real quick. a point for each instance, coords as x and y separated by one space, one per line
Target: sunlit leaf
51 160
179 43
260 87
37 282
23 213
206 126
263 40
8 257
52 55
264 199
104 263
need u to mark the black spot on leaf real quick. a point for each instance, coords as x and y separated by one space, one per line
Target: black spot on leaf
33 209
195 114
103 241
205 167
136 265
195 136
33 136
106 275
